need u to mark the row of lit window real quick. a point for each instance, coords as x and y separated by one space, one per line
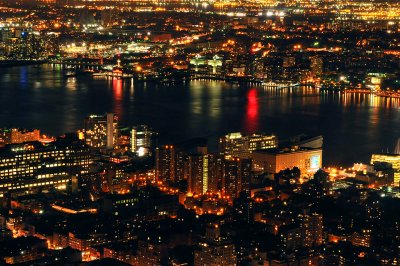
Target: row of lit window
11 187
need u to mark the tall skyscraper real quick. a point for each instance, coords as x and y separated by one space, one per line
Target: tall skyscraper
101 131
170 161
204 173
236 177
195 174
238 145
165 163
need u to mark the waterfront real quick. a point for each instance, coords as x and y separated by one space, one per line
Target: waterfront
353 125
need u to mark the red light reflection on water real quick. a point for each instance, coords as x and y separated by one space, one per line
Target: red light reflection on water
252 111
117 96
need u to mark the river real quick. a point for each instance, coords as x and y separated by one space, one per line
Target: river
353 125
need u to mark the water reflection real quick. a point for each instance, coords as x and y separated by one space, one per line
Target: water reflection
117 96
71 84
251 121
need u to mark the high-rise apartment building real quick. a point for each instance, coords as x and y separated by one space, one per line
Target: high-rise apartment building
312 233
236 176
306 232
165 163
101 131
170 161
204 173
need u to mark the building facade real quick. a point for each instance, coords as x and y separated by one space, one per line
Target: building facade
238 145
276 160
101 131
392 159
30 166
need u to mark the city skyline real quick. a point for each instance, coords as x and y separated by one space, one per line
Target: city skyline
200 133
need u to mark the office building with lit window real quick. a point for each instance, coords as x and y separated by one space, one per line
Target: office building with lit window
238 145
101 131
31 166
141 140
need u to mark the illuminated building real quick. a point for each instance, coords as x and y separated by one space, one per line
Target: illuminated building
316 65
22 43
141 140
237 145
165 163
276 160
312 233
197 170
169 163
289 61
151 252
83 242
30 166
362 238
109 17
204 172
101 131
290 236
215 250
308 232
14 135
23 250
146 203
393 159
207 66
236 176
243 207
121 251
113 176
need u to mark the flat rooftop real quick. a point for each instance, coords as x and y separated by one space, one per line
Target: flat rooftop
291 150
